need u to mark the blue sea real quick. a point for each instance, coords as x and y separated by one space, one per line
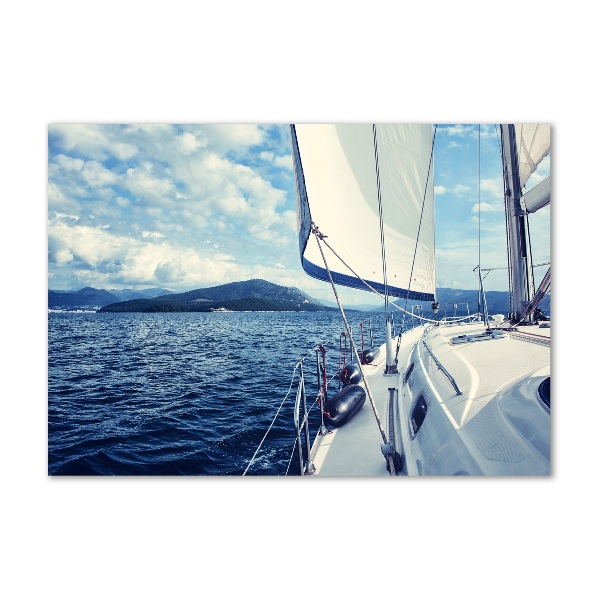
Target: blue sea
186 393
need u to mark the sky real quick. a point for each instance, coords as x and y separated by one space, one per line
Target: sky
188 206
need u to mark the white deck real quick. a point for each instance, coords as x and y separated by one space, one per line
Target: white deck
483 371
354 450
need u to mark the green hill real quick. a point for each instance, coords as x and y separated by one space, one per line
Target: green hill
251 295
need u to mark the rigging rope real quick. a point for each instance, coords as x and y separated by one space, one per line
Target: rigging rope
278 411
417 240
273 421
318 235
291 455
305 418
369 286
342 363
479 215
540 294
530 256
381 232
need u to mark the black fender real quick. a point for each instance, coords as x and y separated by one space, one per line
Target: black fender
344 405
369 355
349 374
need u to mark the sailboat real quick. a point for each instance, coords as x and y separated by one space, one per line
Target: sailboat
451 396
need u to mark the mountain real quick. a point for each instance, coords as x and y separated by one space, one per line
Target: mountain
86 298
89 298
256 294
359 307
251 295
466 303
129 294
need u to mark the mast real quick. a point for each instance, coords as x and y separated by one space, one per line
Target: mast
519 252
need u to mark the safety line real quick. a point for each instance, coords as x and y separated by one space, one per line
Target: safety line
273 421
318 235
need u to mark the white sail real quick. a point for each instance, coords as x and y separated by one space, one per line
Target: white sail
337 188
533 144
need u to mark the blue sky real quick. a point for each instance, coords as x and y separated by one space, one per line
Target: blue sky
188 206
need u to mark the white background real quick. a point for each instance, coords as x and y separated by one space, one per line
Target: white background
282 62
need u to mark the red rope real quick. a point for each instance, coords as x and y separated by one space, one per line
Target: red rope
342 364
362 352
324 388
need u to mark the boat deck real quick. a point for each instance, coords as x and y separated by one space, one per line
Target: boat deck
481 369
354 450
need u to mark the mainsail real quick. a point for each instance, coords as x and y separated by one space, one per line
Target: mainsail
533 145
347 175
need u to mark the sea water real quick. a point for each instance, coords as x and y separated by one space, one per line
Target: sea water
187 393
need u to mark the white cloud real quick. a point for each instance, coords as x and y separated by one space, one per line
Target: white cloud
459 130
189 142
266 156
493 187
89 140
62 256
126 259
140 217
68 163
458 190
92 246
488 131
141 182
96 175
123 151
289 219
56 197
217 184
234 136
94 141
470 131
285 162
486 207
234 205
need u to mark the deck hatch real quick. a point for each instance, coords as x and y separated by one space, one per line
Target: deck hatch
417 415
544 392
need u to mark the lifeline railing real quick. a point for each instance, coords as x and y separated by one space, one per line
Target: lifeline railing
306 466
443 369
302 411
